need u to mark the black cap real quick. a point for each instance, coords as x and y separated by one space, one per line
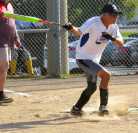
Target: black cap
111 9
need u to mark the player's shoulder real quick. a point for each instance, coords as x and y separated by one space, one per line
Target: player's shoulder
114 26
94 19
10 7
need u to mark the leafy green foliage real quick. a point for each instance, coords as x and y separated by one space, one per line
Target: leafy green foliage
81 10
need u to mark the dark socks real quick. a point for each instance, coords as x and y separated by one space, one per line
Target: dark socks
86 94
82 101
1 93
103 96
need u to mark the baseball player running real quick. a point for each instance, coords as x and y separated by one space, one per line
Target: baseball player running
94 35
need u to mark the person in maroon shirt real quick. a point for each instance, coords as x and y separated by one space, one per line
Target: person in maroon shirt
8 39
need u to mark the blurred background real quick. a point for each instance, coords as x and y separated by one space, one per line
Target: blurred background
50 51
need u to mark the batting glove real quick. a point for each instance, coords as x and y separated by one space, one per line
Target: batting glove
68 26
108 36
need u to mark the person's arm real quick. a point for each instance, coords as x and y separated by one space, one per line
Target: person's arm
116 37
118 42
16 36
17 41
77 31
74 30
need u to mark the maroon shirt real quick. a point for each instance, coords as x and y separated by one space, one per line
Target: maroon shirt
7 29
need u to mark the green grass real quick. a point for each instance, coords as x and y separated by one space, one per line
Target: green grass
126 34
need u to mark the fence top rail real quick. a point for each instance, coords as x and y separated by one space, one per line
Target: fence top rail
33 30
129 27
133 28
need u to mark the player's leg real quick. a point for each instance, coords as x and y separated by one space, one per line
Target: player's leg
85 96
105 77
4 63
90 70
100 71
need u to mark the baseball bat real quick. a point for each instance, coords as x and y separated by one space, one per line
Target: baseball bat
29 18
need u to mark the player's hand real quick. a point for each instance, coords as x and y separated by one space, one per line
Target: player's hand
68 26
108 36
17 43
1 14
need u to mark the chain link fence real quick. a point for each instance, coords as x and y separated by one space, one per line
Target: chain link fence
118 60
33 57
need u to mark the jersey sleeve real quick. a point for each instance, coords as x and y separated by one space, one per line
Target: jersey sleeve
10 8
86 25
116 33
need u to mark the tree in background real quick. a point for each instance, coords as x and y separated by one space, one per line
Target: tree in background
78 10
81 10
37 8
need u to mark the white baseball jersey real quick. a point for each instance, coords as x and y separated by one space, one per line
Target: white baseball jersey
92 44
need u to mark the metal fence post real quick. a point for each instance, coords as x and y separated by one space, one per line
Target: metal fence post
64 39
54 44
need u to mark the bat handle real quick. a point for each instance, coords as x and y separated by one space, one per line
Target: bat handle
49 23
44 21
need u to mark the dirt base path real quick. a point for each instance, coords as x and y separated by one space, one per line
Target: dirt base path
40 106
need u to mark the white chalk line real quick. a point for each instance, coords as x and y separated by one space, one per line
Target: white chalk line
17 93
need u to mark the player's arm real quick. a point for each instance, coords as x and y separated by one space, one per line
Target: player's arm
16 36
118 41
116 38
79 31
74 30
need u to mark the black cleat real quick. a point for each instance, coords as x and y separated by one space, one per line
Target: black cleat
76 111
103 110
5 99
